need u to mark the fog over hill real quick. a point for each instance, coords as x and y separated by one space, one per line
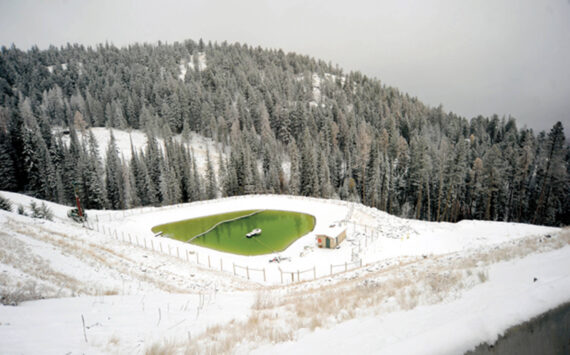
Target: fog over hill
508 57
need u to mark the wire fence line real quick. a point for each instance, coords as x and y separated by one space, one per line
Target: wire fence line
248 271
345 267
301 275
185 252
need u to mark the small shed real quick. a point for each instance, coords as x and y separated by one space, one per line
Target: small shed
331 237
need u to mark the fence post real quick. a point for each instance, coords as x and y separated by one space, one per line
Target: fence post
234 268
160 245
187 252
360 262
221 264
314 272
345 266
264 278
331 269
130 241
169 250
177 253
247 271
298 276
152 244
209 266
197 258
281 273
144 240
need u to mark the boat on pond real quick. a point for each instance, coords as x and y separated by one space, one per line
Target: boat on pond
253 233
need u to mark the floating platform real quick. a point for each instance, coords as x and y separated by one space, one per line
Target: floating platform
253 233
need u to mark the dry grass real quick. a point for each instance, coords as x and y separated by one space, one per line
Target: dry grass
16 254
90 253
114 340
483 276
264 300
27 292
167 347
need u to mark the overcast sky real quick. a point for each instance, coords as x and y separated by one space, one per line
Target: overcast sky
510 57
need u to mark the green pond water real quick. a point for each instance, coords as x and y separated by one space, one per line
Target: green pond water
279 230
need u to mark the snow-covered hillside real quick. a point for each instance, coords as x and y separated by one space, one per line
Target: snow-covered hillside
111 286
199 144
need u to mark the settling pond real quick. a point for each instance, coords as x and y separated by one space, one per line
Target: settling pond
227 232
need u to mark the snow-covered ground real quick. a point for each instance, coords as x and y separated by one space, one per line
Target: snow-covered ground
112 287
509 297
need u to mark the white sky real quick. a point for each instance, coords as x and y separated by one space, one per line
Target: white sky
472 56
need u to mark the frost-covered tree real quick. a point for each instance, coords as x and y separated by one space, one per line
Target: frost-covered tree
114 179
211 181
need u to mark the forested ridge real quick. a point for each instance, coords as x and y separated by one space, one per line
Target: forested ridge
288 124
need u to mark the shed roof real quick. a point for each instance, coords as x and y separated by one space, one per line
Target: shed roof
331 231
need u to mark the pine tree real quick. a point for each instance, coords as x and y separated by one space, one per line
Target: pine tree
418 172
145 189
196 186
211 183
294 170
372 178
309 180
114 180
153 158
34 153
7 169
555 180
492 172
92 173
324 177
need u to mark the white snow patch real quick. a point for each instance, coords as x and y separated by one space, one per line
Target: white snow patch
202 65
113 324
199 144
183 70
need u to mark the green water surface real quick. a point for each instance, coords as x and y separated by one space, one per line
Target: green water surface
279 230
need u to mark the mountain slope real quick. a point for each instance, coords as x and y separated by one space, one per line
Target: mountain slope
338 135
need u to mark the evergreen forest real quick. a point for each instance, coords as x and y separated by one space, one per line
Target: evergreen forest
287 124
